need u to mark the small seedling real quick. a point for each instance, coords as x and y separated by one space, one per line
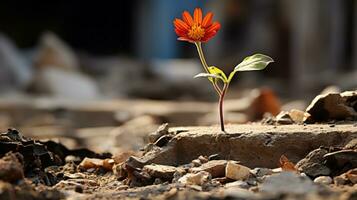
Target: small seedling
198 30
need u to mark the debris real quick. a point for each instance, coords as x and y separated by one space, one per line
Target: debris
313 164
162 130
161 171
237 184
88 163
11 169
260 172
284 118
236 171
215 167
333 106
323 180
286 165
195 179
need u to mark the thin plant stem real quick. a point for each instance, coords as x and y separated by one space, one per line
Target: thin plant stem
205 66
221 100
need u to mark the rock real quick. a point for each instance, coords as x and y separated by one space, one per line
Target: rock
258 145
352 175
237 184
162 130
53 52
288 183
14 69
313 164
161 171
333 106
341 160
340 180
264 101
88 163
195 179
65 84
284 118
236 171
7 191
323 180
215 167
260 172
298 116
11 169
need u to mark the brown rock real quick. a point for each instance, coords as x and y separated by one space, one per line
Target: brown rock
11 169
258 145
195 179
88 163
352 175
313 164
215 167
333 106
236 171
160 171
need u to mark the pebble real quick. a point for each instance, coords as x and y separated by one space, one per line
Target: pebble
323 180
236 171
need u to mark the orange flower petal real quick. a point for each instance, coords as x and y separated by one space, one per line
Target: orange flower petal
179 24
197 16
214 27
187 18
207 20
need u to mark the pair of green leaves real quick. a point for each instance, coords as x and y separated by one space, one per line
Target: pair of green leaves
250 63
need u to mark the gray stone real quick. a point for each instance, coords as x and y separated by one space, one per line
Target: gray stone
323 180
288 183
313 164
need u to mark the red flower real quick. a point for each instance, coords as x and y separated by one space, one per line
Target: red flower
196 29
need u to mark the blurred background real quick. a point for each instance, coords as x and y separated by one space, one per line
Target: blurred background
63 61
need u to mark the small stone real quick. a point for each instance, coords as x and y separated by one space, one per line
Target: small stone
71 158
352 175
314 164
239 184
196 163
298 116
89 163
284 118
195 179
162 130
339 180
260 172
160 171
236 171
203 159
215 167
323 180
78 188
11 169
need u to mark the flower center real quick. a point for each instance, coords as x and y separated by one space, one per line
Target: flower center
196 32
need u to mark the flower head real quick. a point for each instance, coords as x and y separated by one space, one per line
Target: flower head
196 29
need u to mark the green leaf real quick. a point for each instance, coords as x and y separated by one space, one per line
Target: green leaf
219 72
209 76
250 63
254 62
